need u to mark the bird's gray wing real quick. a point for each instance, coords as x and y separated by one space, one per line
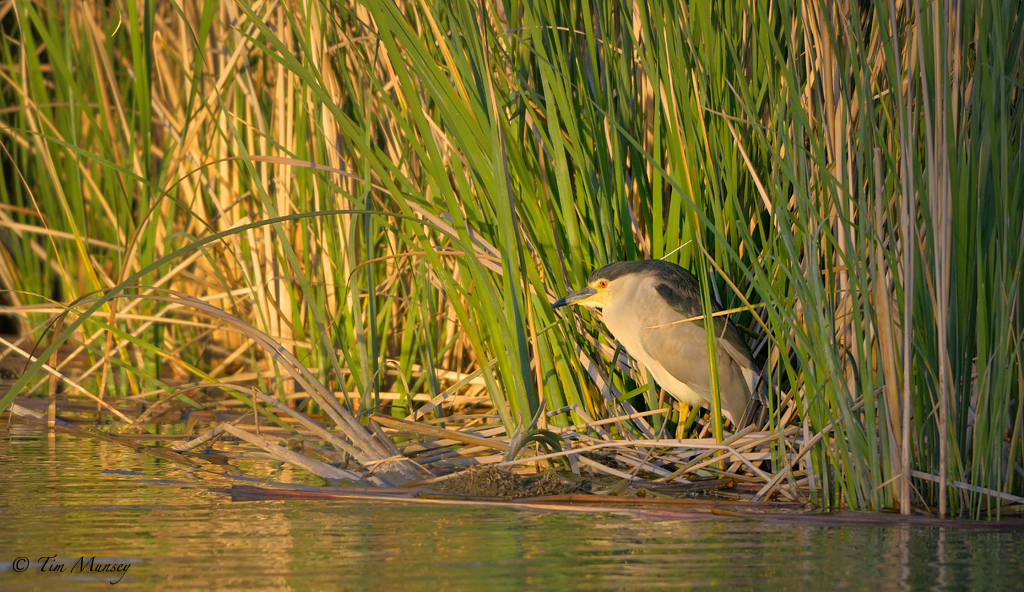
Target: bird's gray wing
689 306
681 343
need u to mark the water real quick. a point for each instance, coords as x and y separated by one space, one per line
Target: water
71 498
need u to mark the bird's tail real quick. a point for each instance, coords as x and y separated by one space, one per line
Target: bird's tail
761 388
757 406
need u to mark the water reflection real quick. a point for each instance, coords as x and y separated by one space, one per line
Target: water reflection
72 498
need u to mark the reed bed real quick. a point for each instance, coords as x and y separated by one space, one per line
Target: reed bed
342 223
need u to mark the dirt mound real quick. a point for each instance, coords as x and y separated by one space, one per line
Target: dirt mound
491 482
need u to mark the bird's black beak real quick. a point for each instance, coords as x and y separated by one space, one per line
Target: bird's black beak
574 297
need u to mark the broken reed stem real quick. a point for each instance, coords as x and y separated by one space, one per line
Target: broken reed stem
320 469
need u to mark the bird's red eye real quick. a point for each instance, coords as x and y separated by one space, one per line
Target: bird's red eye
603 283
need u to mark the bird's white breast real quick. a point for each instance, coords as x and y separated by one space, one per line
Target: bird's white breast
629 318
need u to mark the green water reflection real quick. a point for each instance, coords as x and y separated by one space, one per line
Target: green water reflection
72 498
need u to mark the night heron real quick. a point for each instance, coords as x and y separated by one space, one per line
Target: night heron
643 304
